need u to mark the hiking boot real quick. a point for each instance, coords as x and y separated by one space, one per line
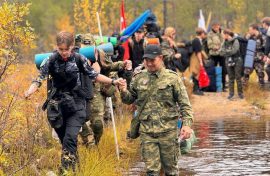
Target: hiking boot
241 96
230 96
88 141
198 92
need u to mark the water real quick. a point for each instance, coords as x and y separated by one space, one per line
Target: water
229 146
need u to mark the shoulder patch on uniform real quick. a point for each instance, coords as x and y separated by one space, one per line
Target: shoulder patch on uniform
170 71
138 72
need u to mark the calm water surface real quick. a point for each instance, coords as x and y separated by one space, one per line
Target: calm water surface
230 146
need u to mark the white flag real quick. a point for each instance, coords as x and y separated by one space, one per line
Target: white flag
201 22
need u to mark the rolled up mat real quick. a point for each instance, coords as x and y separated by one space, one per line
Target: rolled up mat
250 54
152 41
107 48
39 58
219 85
88 52
112 40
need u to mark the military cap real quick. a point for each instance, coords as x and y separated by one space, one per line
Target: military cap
152 51
88 39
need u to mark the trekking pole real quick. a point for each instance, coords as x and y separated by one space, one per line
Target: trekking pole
109 99
99 28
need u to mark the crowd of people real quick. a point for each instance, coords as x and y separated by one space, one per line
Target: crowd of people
151 79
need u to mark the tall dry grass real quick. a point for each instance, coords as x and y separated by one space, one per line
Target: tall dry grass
254 94
26 143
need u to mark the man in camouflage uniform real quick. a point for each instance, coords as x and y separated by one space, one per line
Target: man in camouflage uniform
101 91
158 118
258 65
214 43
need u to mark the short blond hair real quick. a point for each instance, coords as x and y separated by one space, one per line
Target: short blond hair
169 31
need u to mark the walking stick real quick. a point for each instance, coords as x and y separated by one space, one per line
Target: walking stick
109 100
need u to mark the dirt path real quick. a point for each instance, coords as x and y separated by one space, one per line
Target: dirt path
216 105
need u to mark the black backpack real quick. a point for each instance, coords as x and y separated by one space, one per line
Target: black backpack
189 48
243 46
86 82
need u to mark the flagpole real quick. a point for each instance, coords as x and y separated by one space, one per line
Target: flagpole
208 20
99 28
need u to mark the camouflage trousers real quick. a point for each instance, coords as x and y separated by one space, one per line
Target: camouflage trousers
97 111
160 151
259 68
235 73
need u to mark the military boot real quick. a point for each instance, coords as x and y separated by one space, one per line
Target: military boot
230 96
68 162
97 128
241 96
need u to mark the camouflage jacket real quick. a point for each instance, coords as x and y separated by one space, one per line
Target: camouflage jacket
107 65
168 101
168 54
230 48
214 42
259 46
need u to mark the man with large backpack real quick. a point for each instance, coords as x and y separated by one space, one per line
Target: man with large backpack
104 65
258 65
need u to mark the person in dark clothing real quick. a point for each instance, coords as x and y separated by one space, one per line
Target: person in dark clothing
197 58
68 101
119 50
118 53
136 48
231 51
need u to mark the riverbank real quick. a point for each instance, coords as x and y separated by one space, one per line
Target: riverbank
216 105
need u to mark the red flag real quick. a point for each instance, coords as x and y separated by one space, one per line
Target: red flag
123 26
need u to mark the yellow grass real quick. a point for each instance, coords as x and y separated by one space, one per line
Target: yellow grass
29 152
254 94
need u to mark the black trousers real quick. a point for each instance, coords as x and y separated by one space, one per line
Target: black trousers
72 123
221 61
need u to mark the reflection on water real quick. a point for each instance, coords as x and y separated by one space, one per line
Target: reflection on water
234 146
